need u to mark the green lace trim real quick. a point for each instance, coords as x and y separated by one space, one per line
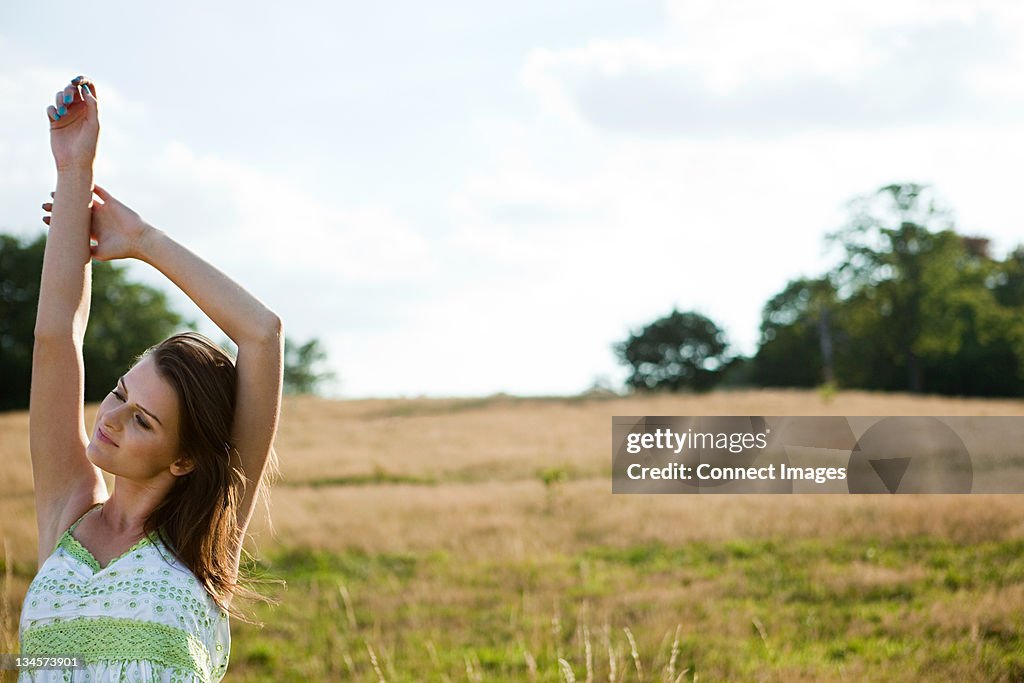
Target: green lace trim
81 553
107 638
76 550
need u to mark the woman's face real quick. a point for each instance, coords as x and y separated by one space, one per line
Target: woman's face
136 430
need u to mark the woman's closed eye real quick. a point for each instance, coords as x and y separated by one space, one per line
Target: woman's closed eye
138 417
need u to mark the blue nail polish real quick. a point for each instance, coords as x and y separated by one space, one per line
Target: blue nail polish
63 110
86 89
56 116
75 80
68 99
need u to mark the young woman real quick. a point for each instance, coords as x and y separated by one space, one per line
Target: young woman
137 583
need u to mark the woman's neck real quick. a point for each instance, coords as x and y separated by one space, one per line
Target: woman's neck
130 505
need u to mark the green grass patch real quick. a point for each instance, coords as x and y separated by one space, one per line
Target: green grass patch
746 609
377 477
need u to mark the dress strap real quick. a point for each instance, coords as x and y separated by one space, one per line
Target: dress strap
78 521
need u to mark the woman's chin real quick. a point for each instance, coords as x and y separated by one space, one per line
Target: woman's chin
95 455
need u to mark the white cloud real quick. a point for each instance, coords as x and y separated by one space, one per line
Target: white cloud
263 218
746 40
749 68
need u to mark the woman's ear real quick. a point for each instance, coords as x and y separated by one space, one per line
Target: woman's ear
182 466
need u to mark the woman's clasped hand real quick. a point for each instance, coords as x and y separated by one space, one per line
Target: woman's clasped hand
74 125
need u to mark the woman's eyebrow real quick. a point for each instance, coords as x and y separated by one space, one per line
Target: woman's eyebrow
125 387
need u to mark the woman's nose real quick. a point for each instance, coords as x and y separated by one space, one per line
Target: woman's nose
113 419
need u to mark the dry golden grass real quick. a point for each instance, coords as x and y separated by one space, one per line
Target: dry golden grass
485 455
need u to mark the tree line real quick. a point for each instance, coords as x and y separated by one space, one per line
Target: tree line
913 305
125 319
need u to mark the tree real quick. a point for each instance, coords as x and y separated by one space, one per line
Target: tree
125 319
797 331
20 267
899 246
914 305
679 351
1008 280
304 371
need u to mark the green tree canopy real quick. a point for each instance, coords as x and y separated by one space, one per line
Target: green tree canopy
913 306
900 254
678 351
794 324
305 367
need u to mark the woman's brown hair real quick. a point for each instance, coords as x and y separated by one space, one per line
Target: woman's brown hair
198 519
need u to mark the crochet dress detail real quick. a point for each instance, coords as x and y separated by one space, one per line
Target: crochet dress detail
143 617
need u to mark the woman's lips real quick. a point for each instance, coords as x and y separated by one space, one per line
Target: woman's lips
103 437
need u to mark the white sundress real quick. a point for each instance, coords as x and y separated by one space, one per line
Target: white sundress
143 617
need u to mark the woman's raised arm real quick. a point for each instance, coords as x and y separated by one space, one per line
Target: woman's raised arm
65 481
121 233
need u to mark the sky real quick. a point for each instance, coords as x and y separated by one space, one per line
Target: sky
463 198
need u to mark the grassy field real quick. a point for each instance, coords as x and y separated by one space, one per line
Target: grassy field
478 540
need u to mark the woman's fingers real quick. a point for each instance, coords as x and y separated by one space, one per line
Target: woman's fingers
81 89
48 206
101 193
64 99
86 89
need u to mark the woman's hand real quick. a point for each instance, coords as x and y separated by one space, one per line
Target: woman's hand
118 232
74 125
